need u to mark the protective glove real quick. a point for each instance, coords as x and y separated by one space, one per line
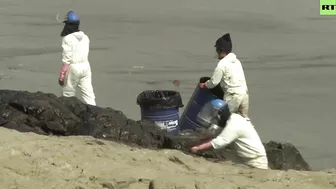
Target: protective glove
204 146
61 81
194 149
62 74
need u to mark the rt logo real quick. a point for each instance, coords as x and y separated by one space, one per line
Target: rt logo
327 7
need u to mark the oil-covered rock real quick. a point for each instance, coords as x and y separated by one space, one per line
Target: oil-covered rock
47 114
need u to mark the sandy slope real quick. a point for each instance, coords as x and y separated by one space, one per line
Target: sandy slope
30 161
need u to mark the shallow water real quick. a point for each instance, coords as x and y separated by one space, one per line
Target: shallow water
287 53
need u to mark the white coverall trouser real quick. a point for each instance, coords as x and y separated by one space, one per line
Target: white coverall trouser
79 75
260 162
238 103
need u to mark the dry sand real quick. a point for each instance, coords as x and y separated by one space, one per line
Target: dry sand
285 46
30 161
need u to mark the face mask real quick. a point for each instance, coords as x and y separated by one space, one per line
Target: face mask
69 28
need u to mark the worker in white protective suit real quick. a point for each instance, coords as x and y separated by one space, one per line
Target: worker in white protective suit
230 75
76 71
226 128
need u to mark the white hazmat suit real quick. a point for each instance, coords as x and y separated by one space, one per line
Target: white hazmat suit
77 67
230 75
246 140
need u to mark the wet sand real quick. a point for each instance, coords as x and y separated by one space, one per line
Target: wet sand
287 54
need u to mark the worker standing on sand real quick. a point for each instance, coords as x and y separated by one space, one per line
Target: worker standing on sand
229 127
76 70
230 75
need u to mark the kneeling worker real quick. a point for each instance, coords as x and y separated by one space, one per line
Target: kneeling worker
231 127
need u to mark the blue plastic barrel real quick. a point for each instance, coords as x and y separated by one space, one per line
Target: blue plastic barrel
161 107
165 119
200 97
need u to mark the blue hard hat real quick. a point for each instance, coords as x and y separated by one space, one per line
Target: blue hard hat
71 17
218 104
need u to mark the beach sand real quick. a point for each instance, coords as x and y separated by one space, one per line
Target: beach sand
30 161
285 47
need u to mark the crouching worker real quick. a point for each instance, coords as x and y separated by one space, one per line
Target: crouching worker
230 127
76 70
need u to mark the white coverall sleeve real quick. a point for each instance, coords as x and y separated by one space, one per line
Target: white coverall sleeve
67 52
215 79
227 136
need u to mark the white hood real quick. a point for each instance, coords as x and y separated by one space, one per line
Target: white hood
231 57
79 35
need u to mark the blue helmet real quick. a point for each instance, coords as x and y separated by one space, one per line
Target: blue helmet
71 17
215 112
218 104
